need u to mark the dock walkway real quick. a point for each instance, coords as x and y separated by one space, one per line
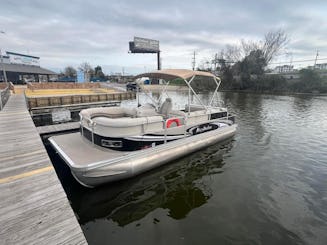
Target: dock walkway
34 208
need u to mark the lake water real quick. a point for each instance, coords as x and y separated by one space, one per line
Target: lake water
267 185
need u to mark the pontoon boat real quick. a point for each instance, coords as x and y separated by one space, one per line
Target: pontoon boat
115 143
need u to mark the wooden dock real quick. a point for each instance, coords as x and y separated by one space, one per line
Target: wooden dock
72 108
34 208
48 100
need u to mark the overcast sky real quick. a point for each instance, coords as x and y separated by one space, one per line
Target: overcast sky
71 32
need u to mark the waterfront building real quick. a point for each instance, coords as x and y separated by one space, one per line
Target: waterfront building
284 69
20 68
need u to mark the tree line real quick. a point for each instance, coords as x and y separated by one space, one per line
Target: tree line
243 67
85 67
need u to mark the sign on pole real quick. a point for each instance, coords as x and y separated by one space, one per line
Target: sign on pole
144 45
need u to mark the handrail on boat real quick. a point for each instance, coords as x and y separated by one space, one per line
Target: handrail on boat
184 119
92 124
175 117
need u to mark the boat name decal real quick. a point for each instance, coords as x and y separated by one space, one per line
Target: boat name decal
203 129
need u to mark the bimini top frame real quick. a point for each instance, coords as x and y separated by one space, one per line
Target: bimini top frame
188 76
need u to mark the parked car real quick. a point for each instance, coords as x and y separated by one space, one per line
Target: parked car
131 86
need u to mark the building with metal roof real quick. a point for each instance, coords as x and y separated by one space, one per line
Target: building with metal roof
21 67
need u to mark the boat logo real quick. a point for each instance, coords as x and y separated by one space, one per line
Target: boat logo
202 128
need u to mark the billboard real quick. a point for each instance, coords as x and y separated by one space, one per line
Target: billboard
22 59
144 45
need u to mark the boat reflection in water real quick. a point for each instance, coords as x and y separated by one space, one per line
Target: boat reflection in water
178 187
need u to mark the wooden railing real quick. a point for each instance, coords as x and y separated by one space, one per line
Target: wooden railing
4 96
60 85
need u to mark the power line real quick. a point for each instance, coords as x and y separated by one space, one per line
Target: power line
284 62
297 61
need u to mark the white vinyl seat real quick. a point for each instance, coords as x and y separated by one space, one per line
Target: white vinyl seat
166 107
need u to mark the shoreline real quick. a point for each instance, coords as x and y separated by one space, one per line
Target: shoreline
159 87
273 93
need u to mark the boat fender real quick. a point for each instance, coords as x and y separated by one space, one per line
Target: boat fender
171 121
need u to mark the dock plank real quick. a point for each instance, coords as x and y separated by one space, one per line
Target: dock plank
34 208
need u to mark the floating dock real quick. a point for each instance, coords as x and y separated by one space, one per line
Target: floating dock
68 94
34 208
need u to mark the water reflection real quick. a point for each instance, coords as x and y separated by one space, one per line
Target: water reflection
250 114
178 188
302 103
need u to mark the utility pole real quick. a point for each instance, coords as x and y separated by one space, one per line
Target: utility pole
290 54
193 61
2 63
123 74
158 60
215 61
314 66
291 61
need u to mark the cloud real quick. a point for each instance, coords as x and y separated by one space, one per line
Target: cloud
71 32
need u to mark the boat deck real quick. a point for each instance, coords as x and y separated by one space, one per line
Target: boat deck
50 129
81 152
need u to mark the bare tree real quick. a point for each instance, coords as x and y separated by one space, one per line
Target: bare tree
227 56
274 42
205 65
87 69
70 71
85 66
262 51
232 53
270 46
247 46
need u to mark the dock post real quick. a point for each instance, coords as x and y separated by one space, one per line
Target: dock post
0 100
165 127
92 133
81 124
185 121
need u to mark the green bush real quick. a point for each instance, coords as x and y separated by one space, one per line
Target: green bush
178 82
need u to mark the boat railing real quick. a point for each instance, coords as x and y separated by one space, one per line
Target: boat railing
90 123
182 119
